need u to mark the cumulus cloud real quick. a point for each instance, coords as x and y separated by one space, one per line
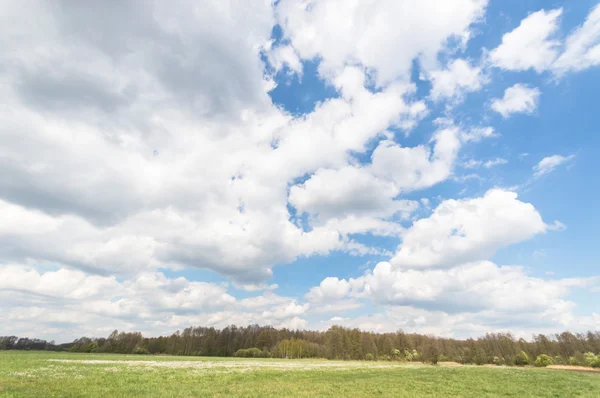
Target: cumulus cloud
517 99
455 81
417 167
464 325
128 183
442 301
458 231
339 32
334 193
157 147
534 44
530 45
284 56
550 163
503 289
582 46
34 300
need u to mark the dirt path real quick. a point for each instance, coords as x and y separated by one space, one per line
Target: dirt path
574 368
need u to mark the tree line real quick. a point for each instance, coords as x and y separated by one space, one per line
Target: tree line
337 343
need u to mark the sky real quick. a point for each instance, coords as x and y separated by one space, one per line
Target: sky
423 165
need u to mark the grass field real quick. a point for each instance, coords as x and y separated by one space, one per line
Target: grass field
46 374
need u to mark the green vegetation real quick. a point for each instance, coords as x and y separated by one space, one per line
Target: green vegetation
592 360
338 343
39 374
543 360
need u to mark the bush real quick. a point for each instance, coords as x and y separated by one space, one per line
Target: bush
592 360
522 359
580 358
589 357
408 356
416 355
249 353
543 360
574 362
498 361
559 360
369 356
141 351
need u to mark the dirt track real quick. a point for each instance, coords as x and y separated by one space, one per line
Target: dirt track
574 368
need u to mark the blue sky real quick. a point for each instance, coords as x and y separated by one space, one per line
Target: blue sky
379 165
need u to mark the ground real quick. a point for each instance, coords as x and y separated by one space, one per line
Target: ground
46 374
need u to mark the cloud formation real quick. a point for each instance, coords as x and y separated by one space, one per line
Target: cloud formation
517 99
141 140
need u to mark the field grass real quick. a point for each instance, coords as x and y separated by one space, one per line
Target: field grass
46 374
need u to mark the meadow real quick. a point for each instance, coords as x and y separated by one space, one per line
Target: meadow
59 374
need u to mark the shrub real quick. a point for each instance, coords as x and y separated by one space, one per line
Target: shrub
141 351
369 356
443 358
395 354
416 355
559 360
580 358
522 359
574 362
595 363
589 357
497 361
408 356
249 353
543 360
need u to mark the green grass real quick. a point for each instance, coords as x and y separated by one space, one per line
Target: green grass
37 374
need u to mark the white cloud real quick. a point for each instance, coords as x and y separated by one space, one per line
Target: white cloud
442 301
417 167
582 46
253 287
478 133
284 56
293 323
148 120
465 325
455 81
530 45
32 301
550 163
286 311
472 163
334 193
494 162
329 288
517 99
150 149
362 199
458 231
502 289
341 33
